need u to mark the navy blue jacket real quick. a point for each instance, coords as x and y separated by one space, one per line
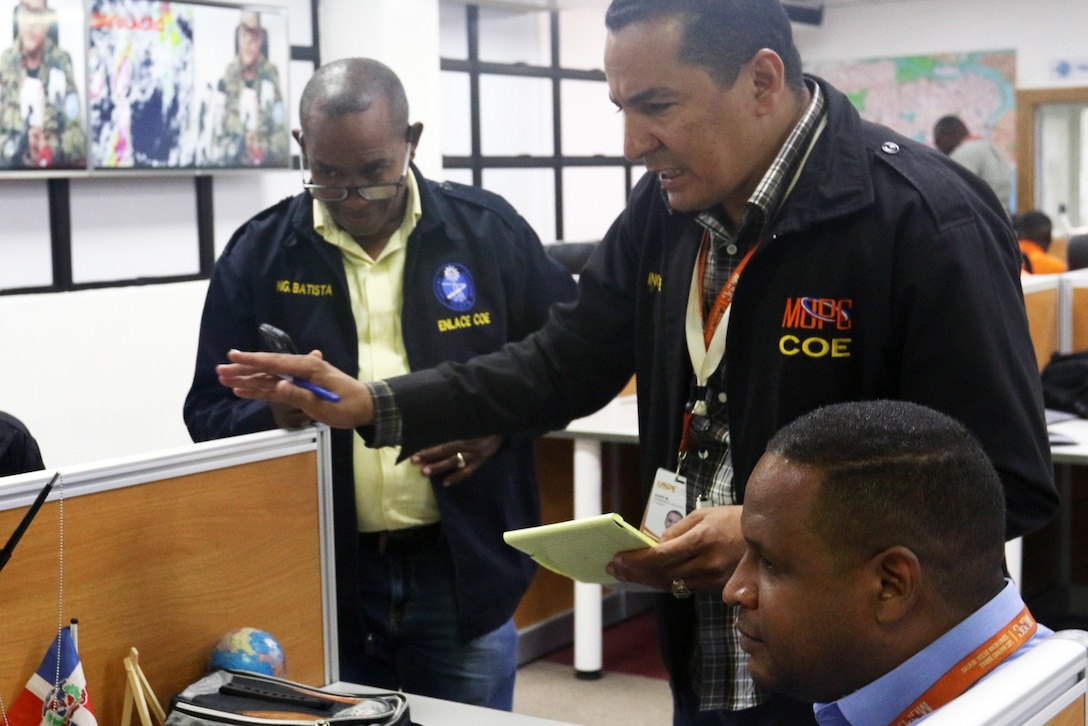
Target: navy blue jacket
890 272
277 269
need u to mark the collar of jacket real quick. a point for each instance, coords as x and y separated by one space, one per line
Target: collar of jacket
836 179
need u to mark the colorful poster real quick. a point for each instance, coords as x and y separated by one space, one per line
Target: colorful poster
178 84
909 93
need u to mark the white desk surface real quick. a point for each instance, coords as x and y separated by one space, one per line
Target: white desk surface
427 711
1077 429
617 422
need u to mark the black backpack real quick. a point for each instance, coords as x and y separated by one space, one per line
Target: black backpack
1065 383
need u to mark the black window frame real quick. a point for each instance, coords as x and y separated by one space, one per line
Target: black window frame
476 161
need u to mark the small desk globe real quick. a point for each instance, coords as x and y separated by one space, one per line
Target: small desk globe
249 649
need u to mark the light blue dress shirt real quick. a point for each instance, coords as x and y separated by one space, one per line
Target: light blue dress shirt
885 698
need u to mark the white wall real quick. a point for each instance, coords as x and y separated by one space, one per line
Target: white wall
1040 32
403 34
102 374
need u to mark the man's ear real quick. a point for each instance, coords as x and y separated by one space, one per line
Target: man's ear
897 579
415 131
768 76
297 134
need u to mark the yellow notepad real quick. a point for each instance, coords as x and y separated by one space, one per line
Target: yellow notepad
579 549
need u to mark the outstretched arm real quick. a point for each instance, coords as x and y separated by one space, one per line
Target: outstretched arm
258 376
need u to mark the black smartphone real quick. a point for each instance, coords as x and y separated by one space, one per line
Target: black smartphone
277 340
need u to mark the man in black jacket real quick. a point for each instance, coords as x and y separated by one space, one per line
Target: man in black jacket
386 272
780 255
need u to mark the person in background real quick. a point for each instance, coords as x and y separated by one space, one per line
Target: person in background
386 272
781 254
19 451
863 587
1034 230
40 119
252 130
977 155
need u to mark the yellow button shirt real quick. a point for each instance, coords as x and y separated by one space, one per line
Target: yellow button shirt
388 495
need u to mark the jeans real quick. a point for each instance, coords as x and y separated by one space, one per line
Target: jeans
408 605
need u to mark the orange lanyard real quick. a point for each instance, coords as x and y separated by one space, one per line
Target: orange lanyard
711 320
725 295
971 669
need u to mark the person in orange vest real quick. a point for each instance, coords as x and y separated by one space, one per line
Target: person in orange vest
1033 229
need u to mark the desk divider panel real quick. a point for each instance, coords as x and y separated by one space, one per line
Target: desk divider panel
1074 311
1042 302
168 553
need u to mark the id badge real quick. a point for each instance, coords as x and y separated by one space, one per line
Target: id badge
667 503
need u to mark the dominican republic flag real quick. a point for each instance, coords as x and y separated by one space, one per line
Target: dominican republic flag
44 703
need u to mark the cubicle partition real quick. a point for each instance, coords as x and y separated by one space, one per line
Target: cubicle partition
1042 299
167 553
1073 305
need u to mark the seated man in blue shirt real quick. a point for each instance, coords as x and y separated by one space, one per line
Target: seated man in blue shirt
873 573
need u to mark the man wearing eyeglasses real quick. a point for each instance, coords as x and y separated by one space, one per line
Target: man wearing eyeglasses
385 272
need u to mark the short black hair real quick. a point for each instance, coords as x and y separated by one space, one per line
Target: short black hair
1035 226
898 473
720 35
352 85
948 132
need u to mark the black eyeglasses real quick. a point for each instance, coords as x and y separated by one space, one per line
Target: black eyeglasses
369 192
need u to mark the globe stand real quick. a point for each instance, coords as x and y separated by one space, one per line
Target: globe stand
138 694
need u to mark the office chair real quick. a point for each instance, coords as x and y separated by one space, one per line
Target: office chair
1077 251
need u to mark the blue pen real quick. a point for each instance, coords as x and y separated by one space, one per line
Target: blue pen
312 387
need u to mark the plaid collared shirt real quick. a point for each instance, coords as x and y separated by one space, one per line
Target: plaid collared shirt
719 668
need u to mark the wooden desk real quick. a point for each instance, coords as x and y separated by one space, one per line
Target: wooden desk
617 423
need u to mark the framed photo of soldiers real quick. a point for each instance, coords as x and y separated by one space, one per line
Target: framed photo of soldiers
42 95
176 85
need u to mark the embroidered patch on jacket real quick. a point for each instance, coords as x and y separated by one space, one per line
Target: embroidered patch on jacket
454 288
821 327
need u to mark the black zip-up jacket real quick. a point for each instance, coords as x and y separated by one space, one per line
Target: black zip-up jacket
890 272
276 269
